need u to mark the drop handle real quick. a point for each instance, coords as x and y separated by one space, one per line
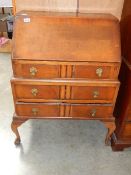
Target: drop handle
95 94
34 91
33 71
99 72
93 113
35 111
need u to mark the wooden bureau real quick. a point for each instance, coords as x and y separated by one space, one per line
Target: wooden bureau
65 66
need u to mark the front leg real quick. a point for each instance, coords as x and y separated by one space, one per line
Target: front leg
14 126
111 128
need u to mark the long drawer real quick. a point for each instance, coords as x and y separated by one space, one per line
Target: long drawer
45 70
56 110
77 91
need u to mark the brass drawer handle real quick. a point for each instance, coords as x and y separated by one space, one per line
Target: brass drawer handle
99 72
33 71
35 111
95 94
93 113
34 91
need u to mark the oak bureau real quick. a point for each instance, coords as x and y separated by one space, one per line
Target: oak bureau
65 66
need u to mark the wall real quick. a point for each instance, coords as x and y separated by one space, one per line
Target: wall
89 6
102 6
5 3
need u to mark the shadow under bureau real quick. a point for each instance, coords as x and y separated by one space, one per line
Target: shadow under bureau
65 66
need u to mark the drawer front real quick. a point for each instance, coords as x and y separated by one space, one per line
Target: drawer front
36 92
54 110
42 70
91 111
37 110
100 94
32 69
66 91
96 71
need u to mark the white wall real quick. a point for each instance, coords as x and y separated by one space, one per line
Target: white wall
89 6
102 6
5 3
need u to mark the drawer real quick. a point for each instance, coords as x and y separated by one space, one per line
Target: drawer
66 91
35 69
54 110
91 111
38 109
76 70
36 92
97 93
96 71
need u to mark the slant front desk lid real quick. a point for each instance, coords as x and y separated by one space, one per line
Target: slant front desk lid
66 37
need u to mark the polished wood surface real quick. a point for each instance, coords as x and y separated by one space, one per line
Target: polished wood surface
126 31
52 110
85 91
35 110
54 69
126 134
122 137
90 71
91 111
65 66
34 69
73 38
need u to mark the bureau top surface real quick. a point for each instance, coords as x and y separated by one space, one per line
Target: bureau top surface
66 37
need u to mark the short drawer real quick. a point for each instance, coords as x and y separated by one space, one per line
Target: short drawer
96 71
35 69
91 111
97 93
29 92
37 110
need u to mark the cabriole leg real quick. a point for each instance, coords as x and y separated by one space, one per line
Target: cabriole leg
14 126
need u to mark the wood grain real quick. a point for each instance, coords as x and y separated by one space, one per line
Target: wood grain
65 39
56 69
